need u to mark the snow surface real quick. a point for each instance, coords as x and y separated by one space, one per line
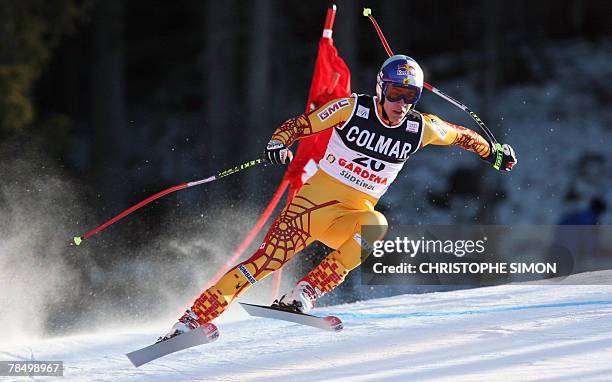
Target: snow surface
502 333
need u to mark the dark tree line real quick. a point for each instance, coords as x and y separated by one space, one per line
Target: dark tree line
159 91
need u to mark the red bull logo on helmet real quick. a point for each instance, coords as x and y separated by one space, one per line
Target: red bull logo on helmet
406 70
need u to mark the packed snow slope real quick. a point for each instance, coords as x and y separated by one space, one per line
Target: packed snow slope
504 333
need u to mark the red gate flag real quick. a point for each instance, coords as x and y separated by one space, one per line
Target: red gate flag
331 80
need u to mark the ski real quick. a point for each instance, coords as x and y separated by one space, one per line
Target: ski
199 336
330 323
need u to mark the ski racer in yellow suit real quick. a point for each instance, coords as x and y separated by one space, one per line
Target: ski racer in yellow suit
372 139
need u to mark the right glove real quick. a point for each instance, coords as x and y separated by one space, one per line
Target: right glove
502 157
277 153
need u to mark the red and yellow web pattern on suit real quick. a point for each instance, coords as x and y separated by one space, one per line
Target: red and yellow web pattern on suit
324 209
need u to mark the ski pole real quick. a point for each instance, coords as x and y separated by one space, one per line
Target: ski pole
367 12
78 239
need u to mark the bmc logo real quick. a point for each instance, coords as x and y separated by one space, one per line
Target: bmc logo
330 110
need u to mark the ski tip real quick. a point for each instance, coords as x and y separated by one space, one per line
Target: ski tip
335 323
77 240
367 12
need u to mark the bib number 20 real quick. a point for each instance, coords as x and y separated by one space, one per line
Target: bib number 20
373 164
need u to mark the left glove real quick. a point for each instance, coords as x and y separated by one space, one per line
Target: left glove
277 153
502 157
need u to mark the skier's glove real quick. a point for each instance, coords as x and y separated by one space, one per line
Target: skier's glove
502 157
277 153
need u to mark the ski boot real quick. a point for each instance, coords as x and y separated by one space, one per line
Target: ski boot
301 299
187 322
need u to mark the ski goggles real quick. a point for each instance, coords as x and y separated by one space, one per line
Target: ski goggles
394 93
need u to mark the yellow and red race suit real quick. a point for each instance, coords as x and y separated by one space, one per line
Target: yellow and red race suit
363 157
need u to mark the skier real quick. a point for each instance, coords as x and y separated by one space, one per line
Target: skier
372 139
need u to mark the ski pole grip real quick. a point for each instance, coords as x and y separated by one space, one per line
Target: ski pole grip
499 155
